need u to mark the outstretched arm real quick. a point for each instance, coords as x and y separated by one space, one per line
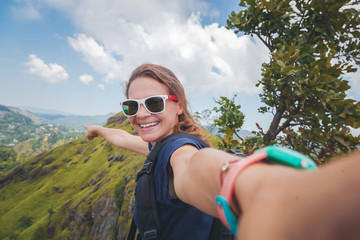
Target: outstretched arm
276 202
197 177
118 138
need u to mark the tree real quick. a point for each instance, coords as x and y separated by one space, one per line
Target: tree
7 155
7 159
229 122
206 119
313 44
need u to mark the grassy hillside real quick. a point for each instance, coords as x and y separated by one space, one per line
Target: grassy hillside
80 190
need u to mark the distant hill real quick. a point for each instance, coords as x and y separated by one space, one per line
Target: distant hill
24 135
44 111
15 126
18 125
4 108
67 119
36 119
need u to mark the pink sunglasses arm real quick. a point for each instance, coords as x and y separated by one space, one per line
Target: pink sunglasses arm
172 97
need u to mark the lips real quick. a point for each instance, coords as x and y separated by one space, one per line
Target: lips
147 125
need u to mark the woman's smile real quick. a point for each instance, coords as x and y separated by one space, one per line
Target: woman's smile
147 125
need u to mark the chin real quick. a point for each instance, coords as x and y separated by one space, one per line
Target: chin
148 138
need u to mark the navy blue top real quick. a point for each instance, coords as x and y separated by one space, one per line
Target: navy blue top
178 220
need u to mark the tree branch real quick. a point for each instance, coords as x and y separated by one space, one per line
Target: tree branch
263 40
239 136
271 133
287 122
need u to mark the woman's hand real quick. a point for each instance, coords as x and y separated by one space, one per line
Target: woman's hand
92 131
119 138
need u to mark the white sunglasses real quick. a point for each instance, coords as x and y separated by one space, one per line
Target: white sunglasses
153 104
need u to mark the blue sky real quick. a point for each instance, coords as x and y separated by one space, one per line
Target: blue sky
74 56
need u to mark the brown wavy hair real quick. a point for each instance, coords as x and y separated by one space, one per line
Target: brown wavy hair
186 123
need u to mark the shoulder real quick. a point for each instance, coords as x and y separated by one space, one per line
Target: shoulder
172 144
180 141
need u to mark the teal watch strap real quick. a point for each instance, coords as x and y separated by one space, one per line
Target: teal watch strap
288 157
232 221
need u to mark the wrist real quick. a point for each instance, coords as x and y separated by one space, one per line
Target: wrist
226 202
248 185
244 184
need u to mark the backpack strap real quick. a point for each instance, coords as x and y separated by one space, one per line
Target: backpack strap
151 160
219 231
145 192
132 231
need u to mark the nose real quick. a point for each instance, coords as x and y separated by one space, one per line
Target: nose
143 112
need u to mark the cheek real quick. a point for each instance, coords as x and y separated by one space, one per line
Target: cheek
132 121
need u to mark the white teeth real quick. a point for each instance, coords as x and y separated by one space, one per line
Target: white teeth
148 125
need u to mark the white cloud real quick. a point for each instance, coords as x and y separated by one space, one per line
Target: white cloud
86 79
96 56
51 72
101 86
124 34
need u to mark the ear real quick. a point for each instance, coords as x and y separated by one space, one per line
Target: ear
180 110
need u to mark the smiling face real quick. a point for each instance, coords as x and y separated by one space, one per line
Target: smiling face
153 127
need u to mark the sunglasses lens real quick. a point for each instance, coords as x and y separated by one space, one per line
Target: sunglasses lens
155 104
130 107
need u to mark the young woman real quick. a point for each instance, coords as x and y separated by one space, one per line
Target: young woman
270 201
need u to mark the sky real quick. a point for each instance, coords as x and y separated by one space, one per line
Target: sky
74 56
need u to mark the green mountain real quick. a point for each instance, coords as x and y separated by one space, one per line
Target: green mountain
15 127
66 119
36 119
80 190
24 135
18 125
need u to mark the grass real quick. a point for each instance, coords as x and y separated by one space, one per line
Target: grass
58 192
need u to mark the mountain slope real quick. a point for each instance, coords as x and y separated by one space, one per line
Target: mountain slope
18 125
80 190
36 119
